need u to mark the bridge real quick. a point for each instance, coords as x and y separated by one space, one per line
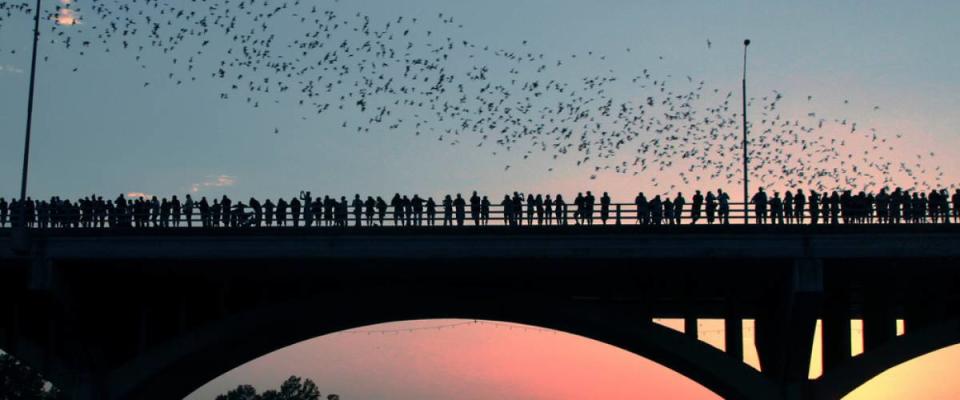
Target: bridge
156 313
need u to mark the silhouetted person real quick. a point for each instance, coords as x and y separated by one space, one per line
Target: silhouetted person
696 207
397 211
281 212
307 200
604 207
507 206
799 202
4 212
588 205
711 201
538 201
448 211
776 209
788 207
643 209
257 212
548 209
485 211
416 203
723 201
560 208
475 208
226 205
580 209
269 211
678 204
517 209
381 209
835 208
656 210
814 207
357 210
531 209
295 208
370 209
431 212
460 206
759 201
956 206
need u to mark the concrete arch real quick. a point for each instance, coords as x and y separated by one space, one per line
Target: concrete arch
864 367
198 357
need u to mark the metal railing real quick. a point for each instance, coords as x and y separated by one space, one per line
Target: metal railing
494 215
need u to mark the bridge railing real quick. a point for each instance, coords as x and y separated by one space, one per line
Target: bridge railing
494 215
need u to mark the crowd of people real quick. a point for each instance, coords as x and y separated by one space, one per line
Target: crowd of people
793 207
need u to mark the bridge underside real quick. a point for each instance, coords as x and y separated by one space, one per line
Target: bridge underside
161 324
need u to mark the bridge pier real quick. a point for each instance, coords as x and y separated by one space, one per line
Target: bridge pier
879 321
837 344
784 331
691 327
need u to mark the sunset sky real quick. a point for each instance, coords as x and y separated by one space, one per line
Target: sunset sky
889 65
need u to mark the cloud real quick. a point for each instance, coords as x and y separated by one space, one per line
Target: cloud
137 195
218 181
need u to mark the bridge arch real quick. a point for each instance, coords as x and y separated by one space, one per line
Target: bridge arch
182 366
868 365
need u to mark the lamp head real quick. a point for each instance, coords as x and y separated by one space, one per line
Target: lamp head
746 42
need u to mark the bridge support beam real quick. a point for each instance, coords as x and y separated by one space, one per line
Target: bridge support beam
837 345
784 331
733 336
691 328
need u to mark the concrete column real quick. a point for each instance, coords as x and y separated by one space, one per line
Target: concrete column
879 324
836 333
690 327
733 336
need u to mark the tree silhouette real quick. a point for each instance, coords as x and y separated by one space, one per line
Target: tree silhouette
294 388
20 382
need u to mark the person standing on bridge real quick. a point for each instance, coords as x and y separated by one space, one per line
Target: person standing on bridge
788 206
226 205
531 209
431 212
397 209
590 203
776 209
814 207
799 202
257 212
656 210
381 209
188 206
269 211
281 212
956 206
560 208
539 206
604 208
417 203
295 208
357 210
307 200
711 207
460 206
548 209
176 208
475 208
835 208
668 210
578 209
760 201
518 208
724 202
696 207
4 212
370 209
448 211
643 209
506 206
678 203
485 211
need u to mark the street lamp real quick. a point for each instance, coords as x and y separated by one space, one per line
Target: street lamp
21 243
746 158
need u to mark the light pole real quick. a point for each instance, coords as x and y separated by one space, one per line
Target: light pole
20 241
746 157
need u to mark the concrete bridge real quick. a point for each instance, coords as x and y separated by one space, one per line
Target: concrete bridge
154 314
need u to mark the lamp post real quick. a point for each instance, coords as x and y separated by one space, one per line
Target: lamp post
21 243
746 157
